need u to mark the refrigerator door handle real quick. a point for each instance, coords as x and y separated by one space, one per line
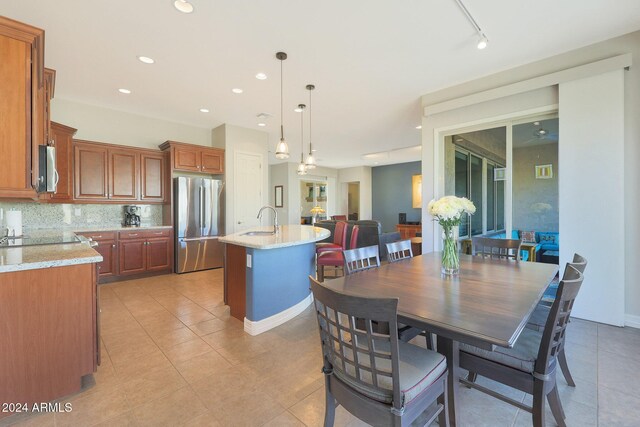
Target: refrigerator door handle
193 239
203 211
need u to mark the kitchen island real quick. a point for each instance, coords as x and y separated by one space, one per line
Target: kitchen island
266 275
49 330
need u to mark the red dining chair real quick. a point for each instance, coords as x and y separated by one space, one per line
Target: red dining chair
339 239
335 258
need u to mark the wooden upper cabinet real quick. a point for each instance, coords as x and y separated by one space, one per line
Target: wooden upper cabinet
123 174
187 159
90 172
116 173
212 161
153 177
62 137
21 89
194 158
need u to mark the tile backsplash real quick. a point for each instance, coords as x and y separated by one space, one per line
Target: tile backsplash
58 215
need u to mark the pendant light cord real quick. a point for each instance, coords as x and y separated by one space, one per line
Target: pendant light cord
302 136
281 100
310 148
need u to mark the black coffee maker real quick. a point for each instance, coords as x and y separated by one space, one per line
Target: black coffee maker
131 216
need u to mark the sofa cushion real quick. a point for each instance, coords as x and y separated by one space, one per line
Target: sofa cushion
548 237
528 237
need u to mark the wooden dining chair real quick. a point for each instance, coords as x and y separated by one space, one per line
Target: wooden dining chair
335 258
397 251
339 217
380 380
360 259
339 239
540 315
496 248
530 366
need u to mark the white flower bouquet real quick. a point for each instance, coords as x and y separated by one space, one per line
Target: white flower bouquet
448 212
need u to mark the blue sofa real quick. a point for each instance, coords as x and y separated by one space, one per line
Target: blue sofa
545 241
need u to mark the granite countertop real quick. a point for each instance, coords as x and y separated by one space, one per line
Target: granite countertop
46 256
117 228
288 235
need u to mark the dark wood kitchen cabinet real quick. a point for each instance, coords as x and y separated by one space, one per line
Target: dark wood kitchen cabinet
194 158
123 174
91 180
107 247
21 107
158 254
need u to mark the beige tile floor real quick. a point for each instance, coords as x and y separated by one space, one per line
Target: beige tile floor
172 356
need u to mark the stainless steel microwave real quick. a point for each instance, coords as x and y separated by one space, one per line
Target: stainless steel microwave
47 174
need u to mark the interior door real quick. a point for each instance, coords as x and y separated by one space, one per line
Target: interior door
248 187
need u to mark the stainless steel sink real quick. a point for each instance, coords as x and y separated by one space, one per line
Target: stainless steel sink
258 233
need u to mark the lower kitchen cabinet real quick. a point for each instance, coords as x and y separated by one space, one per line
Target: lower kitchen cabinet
158 254
132 257
132 252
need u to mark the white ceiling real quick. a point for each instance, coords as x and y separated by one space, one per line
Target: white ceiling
370 60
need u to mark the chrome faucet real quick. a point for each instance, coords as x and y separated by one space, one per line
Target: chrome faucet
275 216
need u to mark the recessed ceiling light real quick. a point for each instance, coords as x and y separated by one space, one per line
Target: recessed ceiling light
314 150
125 91
262 124
146 59
204 110
419 127
183 6
459 140
261 76
536 123
236 90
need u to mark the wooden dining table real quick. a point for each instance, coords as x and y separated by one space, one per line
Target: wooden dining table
486 305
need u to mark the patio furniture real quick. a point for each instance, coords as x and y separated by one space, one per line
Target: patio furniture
530 365
373 375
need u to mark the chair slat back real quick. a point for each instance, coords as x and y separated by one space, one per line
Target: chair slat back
554 331
360 259
351 347
497 248
340 234
397 251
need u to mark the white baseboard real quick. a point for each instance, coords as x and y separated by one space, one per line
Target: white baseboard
260 326
632 321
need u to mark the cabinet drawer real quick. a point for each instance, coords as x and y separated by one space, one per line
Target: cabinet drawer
145 234
99 235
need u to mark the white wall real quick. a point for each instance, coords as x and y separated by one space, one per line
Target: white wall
361 174
629 43
238 139
591 191
119 127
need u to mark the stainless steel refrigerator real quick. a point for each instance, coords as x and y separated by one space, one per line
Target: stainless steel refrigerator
199 221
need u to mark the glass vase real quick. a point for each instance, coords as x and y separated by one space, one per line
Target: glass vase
450 258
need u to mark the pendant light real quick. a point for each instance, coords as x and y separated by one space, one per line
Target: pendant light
282 149
311 161
302 168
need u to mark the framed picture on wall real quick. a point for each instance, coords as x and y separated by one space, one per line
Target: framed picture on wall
278 196
544 171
